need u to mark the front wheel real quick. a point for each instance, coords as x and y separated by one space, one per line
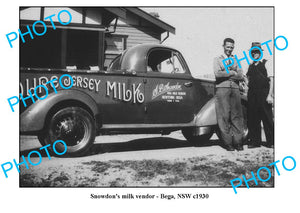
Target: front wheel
196 139
75 126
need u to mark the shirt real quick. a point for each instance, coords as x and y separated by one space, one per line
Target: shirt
258 76
223 78
268 65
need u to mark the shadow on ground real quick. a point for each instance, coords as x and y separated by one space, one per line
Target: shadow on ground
137 145
147 144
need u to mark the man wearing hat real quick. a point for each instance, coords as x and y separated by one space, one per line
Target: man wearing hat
260 98
228 100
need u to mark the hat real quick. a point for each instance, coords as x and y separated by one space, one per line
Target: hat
256 44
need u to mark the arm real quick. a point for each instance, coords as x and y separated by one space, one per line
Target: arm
219 72
271 91
238 74
246 79
269 67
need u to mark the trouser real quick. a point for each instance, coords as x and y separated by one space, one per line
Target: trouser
229 115
259 111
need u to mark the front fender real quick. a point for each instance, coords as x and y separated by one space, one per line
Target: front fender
33 119
207 116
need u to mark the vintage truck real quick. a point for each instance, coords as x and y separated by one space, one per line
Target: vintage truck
146 89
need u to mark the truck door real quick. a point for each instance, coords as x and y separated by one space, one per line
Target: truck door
124 97
168 88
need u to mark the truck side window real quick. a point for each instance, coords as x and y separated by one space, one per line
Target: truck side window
164 61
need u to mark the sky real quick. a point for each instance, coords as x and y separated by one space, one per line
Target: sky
200 32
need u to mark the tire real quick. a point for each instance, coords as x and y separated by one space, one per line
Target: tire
75 126
42 139
196 140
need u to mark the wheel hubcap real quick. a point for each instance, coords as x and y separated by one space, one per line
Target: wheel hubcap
71 130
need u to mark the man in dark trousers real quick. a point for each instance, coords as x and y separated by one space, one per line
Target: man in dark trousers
260 99
228 100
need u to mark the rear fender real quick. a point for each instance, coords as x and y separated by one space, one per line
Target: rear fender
207 116
33 119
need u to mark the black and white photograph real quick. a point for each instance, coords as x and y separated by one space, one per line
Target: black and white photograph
115 85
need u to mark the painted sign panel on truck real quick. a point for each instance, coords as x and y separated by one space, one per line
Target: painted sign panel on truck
146 89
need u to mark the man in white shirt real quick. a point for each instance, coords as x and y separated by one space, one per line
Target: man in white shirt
228 99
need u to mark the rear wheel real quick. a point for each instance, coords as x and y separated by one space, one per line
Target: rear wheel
75 126
196 140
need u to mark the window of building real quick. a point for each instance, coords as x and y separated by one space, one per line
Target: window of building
43 51
82 48
63 48
115 44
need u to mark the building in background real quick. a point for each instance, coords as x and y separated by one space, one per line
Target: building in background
94 37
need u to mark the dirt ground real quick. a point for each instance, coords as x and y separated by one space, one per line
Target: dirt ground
146 161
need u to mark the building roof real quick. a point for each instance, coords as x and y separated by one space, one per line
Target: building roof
159 23
122 12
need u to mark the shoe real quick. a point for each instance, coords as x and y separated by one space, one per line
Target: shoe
269 146
251 146
229 147
239 148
